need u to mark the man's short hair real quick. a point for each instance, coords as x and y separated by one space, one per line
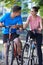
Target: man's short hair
16 8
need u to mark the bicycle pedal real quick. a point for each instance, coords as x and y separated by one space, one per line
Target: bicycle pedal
19 61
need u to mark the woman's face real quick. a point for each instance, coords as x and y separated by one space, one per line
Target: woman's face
33 12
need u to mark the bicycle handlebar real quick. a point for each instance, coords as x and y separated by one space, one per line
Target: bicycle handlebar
5 26
10 26
27 30
35 30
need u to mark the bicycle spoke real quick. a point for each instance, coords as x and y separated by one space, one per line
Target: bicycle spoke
25 55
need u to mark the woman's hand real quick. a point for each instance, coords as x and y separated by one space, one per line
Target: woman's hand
39 29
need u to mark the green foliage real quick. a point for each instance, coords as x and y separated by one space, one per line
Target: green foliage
41 11
36 1
39 3
26 9
1 0
12 2
18 3
9 3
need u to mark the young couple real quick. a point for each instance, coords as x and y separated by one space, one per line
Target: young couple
15 20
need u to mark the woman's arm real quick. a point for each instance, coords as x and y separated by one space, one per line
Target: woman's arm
40 25
26 24
21 26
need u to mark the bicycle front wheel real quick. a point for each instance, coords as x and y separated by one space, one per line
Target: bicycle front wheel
31 60
25 55
10 56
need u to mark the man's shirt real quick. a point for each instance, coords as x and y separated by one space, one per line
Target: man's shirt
7 21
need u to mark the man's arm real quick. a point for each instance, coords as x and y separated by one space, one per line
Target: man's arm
25 25
19 23
40 25
2 19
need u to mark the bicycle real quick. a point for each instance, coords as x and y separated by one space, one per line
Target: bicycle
11 50
28 50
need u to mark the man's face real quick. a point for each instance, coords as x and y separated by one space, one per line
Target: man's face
17 13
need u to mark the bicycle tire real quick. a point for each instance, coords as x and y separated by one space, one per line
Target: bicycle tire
17 57
12 59
36 57
32 58
23 51
14 55
31 62
8 54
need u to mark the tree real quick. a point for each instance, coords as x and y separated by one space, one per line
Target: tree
39 3
10 3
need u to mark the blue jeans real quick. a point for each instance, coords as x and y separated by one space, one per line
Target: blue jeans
39 51
38 38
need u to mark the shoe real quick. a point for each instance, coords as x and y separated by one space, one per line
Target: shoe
19 59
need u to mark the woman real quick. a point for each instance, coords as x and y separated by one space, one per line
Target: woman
35 23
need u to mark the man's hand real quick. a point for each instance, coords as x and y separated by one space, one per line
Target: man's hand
13 26
17 26
1 24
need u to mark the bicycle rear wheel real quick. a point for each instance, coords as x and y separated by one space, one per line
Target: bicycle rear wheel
33 59
14 55
31 62
36 56
25 55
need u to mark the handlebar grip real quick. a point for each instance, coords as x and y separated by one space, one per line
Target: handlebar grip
2 26
5 26
27 30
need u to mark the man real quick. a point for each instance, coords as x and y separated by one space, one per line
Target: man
14 19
